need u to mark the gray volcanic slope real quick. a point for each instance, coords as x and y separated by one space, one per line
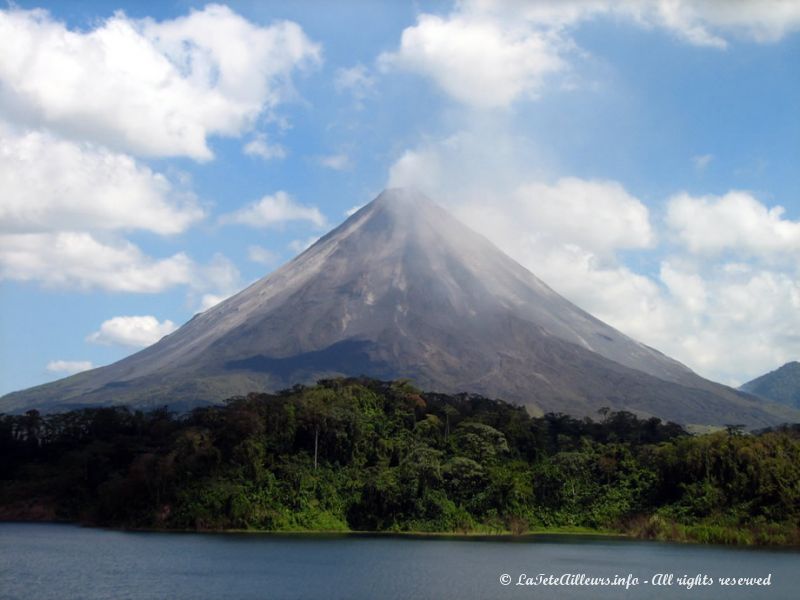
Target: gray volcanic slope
403 289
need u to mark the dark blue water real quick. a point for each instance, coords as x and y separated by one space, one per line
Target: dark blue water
62 562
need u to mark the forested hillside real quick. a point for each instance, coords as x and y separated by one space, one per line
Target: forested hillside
359 454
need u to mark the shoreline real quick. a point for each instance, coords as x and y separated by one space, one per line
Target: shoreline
433 535
466 535
538 534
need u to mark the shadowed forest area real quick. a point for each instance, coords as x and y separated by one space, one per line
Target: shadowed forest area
366 455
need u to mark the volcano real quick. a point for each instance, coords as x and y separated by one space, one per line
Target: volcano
402 289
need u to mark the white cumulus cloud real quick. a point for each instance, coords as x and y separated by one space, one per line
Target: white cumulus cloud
262 148
357 81
52 184
702 21
275 210
79 260
337 162
68 367
730 321
596 215
132 331
491 53
698 22
480 62
735 222
65 205
148 87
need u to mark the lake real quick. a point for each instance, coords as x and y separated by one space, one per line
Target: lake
53 561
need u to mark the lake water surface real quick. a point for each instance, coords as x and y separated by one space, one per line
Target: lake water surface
62 562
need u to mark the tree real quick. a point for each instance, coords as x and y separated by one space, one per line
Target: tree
480 442
449 412
315 406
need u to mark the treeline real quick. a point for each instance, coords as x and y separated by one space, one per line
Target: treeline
359 454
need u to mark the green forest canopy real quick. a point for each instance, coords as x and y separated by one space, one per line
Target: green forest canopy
360 454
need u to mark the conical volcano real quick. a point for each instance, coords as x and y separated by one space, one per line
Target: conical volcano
402 289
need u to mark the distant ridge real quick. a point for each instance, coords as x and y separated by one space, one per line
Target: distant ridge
403 289
781 385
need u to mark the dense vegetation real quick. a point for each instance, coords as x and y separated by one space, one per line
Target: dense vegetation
366 455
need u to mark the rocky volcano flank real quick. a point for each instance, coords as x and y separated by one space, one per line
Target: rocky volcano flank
403 289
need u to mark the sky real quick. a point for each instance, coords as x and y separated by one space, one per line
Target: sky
642 158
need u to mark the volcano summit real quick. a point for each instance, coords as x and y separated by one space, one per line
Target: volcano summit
403 289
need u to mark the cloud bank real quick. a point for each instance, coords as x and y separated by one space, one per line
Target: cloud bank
211 72
87 107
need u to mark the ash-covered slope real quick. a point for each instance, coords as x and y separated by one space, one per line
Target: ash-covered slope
403 289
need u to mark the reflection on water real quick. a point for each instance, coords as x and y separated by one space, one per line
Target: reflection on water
47 561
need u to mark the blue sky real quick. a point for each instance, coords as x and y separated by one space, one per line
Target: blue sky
642 158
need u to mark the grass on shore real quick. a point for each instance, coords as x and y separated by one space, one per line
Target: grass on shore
656 527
